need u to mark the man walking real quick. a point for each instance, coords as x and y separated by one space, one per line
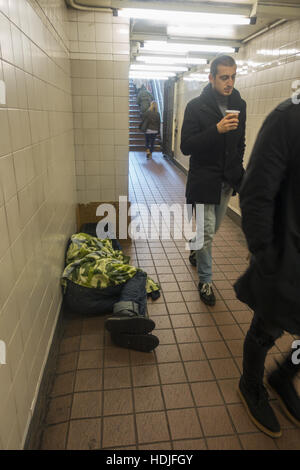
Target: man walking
215 140
270 201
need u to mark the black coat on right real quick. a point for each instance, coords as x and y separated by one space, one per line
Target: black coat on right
270 205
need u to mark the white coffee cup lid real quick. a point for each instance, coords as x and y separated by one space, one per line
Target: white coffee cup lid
233 111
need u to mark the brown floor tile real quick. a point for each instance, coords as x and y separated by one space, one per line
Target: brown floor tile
202 319
69 345
289 440
197 307
143 358
240 419
169 277
90 359
66 362
165 336
208 333
172 373
206 394
181 321
223 443
188 286
84 434
162 322
173 297
148 399
86 405
243 316
175 308
190 444
185 335
117 402
89 342
223 318
236 346
54 437
63 384
229 390
156 309
215 421
156 446
117 377
184 424
191 352
115 357
224 368
152 427
216 349
88 380
258 441
118 431
169 286
59 409
231 332
93 325
198 371
167 353
177 396
145 375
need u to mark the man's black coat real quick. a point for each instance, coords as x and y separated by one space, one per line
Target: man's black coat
214 157
270 204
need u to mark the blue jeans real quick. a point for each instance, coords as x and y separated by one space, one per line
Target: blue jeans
150 139
213 216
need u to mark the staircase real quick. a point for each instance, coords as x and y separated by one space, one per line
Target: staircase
136 136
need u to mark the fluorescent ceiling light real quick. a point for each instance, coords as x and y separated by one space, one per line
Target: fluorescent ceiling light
149 59
200 31
150 76
276 52
163 46
158 68
182 17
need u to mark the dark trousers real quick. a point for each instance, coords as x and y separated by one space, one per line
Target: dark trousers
86 300
150 139
260 338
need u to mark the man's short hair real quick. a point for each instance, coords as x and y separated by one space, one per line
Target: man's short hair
226 60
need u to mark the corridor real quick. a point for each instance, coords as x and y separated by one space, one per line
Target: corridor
182 395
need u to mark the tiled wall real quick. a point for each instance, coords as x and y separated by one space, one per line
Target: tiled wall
37 197
263 86
99 51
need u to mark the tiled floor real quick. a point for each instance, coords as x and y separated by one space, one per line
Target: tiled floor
182 395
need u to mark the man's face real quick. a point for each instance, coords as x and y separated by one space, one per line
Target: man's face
223 82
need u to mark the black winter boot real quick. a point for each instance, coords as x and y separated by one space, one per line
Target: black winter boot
138 342
255 400
281 383
251 390
126 319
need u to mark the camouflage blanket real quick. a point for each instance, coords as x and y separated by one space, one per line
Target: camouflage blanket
92 262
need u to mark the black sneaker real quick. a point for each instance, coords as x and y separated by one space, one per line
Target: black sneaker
144 343
284 390
192 258
206 293
129 323
259 410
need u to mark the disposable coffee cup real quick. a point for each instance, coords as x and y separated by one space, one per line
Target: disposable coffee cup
232 111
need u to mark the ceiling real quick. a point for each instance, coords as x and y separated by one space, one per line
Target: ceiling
263 13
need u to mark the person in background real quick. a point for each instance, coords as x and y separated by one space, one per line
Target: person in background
144 99
270 201
215 140
151 127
